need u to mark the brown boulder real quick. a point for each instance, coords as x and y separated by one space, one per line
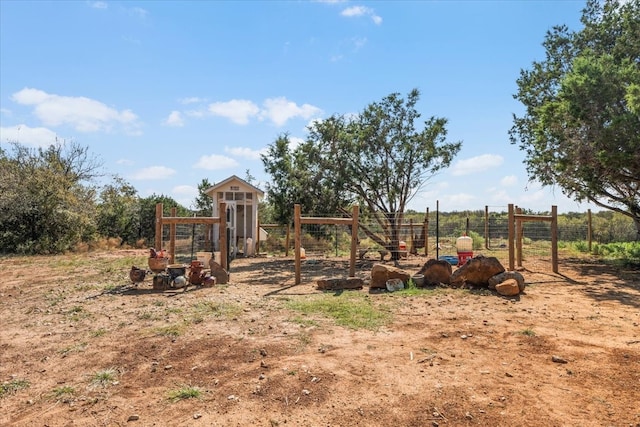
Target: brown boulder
436 272
381 273
476 272
508 288
499 278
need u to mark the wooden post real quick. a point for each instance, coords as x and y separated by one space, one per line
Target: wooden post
354 240
159 210
554 238
519 237
258 240
222 236
412 249
287 241
512 232
297 230
589 229
172 238
426 233
486 227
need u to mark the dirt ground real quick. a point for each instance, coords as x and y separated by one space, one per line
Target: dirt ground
80 346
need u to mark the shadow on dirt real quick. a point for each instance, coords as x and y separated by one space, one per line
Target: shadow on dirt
607 282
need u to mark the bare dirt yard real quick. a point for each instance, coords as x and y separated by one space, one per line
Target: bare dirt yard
81 346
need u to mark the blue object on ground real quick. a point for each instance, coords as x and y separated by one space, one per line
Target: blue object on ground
453 260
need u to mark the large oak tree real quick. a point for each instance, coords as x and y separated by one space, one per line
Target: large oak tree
581 127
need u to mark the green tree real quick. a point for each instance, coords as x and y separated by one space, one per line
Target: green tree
378 158
581 127
46 197
119 211
148 214
204 202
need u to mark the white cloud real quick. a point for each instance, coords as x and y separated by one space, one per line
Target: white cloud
83 114
237 110
245 152
153 173
139 12
509 181
125 162
477 164
215 162
35 137
175 119
359 42
98 5
191 100
280 110
294 142
357 11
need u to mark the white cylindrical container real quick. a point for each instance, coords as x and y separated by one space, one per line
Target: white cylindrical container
464 244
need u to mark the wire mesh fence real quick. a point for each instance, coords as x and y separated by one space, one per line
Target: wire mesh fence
420 235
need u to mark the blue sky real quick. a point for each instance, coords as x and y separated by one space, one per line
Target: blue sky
168 93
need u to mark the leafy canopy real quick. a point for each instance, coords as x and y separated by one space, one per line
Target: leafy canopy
379 158
581 126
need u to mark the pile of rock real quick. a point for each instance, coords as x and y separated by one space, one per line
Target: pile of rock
479 271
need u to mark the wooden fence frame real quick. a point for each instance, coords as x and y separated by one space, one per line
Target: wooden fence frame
298 220
516 221
172 220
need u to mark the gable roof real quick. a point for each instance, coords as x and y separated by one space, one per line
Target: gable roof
231 179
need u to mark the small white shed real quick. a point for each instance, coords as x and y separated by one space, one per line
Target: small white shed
242 212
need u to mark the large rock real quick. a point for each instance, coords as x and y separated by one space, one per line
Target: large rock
476 272
499 278
219 273
338 283
508 288
436 272
381 273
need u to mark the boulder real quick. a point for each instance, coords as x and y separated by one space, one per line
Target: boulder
476 272
219 273
338 283
499 278
436 272
380 273
508 288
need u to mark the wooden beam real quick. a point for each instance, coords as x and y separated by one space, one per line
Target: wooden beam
297 231
354 240
511 233
158 243
190 220
172 238
325 221
554 238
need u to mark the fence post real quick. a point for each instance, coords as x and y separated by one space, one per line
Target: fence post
258 240
172 238
589 229
354 240
222 236
486 227
519 237
296 233
426 233
554 238
512 232
158 239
